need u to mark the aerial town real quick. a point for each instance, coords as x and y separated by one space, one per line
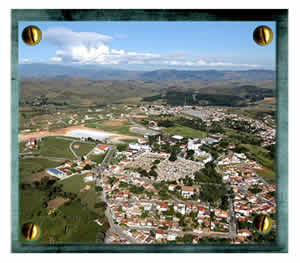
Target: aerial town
168 187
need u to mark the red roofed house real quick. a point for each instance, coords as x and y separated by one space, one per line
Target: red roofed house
221 213
159 234
31 143
99 149
162 207
172 187
187 191
68 164
244 233
115 169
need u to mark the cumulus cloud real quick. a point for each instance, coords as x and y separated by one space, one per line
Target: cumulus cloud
93 48
56 59
24 61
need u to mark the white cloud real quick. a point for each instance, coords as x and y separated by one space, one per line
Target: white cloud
93 48
64 37
56 59
24 61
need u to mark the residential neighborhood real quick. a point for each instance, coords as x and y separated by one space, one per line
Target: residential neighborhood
159 189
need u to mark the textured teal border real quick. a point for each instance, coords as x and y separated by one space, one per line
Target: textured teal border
277 15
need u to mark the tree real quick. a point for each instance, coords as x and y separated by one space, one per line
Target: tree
98 189
173 156
87 167
153 173
100 204
190 154
224 202
178 188
156 162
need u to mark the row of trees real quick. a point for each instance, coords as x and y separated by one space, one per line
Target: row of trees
208 174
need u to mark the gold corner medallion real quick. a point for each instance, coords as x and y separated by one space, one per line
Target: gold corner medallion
31 35
31 231
262 224
263 35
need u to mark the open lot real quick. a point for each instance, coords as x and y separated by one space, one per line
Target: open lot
84 148
117 127
57 202
73 184
268 175
261 156
56 147
114 123
34 169
185 132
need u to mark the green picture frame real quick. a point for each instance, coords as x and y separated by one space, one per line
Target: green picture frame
278 16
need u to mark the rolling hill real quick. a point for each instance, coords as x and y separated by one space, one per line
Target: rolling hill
104 73
87 85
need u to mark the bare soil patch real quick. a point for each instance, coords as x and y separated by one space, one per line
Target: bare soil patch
86 188
118 139
113 123
57 202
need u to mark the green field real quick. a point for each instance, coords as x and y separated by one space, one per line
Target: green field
28 167
261 155
71 222
73 184
268 175
185 132
98 158
129 141
84 148
56 147
90 198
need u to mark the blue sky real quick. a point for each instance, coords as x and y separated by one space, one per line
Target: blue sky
151 45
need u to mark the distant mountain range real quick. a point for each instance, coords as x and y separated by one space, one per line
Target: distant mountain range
102 73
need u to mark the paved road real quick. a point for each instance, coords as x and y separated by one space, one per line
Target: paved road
181 233
232 224
113 227
106 161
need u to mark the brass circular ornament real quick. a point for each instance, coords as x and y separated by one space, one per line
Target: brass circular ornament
262 224
263 35
31 35
31 231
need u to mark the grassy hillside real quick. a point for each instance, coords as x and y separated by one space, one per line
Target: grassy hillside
83 91
80 91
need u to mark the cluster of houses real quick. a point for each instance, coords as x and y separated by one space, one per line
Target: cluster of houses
116 239
32 143
129 215
160 109
71 168
262 129
207 114
77 167
246 202
145 212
